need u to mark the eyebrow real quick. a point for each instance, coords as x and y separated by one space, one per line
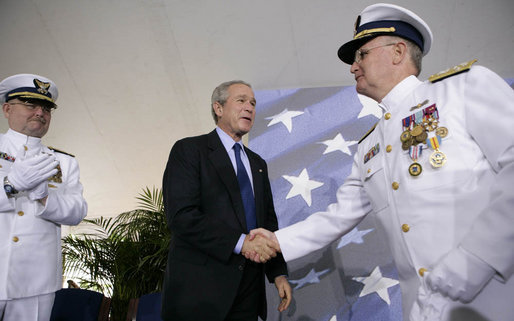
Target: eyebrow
246 97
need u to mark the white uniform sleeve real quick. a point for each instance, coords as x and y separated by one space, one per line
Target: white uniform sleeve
490 121
322 228
66 205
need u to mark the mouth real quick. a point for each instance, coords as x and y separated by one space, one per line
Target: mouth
247 118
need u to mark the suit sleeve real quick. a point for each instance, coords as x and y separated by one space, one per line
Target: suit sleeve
277 266
184 182
490 117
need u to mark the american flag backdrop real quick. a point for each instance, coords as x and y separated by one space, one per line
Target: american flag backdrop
308 137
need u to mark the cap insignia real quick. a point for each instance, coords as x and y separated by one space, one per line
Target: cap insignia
41 86
357 24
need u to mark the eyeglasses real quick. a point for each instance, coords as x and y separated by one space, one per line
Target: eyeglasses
29 106
361 53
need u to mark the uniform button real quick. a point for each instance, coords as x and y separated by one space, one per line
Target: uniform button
387 116
405 227
369 170
15 239
241 267
389 148
26 148
395 185
21 213
0 166
422 271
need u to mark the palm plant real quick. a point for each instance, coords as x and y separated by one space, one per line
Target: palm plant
124 256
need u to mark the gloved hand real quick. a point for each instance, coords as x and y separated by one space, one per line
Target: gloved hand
39 192
27 173
460 275
429 305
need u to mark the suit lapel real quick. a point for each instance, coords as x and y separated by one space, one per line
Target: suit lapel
221 162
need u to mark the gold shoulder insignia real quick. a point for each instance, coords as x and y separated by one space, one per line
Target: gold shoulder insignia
465 66
369 132
60 151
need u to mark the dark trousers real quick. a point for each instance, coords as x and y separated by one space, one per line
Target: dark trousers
247 304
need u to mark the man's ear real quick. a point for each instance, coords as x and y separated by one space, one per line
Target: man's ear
218 109
6 107
399 52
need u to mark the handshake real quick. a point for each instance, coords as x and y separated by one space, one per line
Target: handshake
260 245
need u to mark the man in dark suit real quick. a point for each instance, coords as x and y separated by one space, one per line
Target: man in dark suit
216 190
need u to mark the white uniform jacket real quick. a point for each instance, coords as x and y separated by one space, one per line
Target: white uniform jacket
30 233
467 202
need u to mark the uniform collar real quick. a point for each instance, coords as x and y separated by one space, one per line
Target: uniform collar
22 139
399 92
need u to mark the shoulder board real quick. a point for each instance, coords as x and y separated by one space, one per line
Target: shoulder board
369 132
60 151
463 67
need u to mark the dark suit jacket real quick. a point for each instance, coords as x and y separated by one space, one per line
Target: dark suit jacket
206 217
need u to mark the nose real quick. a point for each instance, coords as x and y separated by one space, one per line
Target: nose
39 110
354 67
249 107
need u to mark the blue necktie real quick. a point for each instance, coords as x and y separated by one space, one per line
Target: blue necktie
246 190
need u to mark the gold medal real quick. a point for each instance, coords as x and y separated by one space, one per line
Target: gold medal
421 137
441 131
437 159
430 124
408 143
405 136
415 169
416 130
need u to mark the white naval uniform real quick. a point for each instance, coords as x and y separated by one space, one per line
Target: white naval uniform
30 233
468 202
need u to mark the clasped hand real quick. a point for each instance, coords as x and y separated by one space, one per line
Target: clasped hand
27 173
260 246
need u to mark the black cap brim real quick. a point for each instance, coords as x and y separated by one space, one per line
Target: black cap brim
347 51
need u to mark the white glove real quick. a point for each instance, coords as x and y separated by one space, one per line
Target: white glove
39 192
429 306
27 173
460 275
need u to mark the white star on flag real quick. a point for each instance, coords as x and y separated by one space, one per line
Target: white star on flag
285 118
377 283
369 107
302 186
338 143
311 277
334 318
354 236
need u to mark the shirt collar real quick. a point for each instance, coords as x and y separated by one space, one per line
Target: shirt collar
399 92
227 141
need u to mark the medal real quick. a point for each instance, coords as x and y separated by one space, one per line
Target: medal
407 144
441 131
437 159
405 136
415 169
421 137
416 130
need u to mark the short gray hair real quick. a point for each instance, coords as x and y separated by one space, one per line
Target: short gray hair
415 53
220 95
